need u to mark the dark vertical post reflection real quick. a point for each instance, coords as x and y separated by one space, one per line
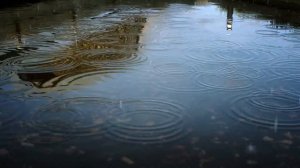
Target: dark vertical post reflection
229 16
18 33
74 13
74 23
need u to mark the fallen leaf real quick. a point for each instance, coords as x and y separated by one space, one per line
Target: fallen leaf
288 135
26 144
127 160
286 142
268 139
71 150
3 152
251 162
194 140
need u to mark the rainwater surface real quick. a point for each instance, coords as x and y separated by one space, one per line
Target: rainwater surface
149 84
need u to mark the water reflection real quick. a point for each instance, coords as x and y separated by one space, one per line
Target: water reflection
110 83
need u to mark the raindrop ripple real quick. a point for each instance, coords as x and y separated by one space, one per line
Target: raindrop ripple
177 77
225 81
287 68
9 112
270 110
39 64
73 117
148 122
111 58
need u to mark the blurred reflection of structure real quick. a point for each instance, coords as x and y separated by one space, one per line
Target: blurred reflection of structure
20 47
18 33
201 2
74 22
229 16
94 48
278 25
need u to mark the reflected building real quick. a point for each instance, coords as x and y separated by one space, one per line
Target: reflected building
100 52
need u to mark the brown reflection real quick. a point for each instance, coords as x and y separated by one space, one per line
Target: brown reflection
116 43
229 16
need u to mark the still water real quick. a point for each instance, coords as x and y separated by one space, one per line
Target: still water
149 84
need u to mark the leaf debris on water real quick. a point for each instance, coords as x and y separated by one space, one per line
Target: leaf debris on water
127 160
268 139
286 142
3 152
27 144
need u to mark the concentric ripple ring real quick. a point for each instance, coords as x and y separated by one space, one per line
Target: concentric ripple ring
73 117
111 58
287 68
9 112
147 122
272 110
39 64
225 81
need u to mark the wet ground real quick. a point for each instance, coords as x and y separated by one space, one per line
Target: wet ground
149 84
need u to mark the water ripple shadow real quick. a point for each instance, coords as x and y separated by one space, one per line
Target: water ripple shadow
271 110
177 77
148 122
73 117
287 68
39 64
231 55
267 32
284 84
11 88
10 113
232 82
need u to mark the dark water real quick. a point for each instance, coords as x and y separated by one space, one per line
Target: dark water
149 84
